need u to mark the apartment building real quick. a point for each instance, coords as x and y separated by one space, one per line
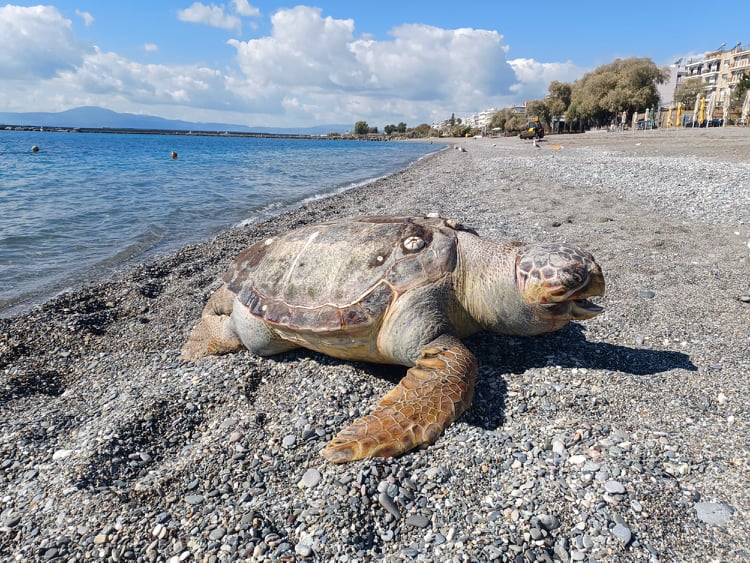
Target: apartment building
481 119
719 72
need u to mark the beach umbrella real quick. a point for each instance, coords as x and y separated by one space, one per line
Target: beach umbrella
669 115
711 106
679 114
696 107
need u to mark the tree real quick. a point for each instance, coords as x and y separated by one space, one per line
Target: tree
420 131
508 121
390 129
739 91
687 91
623 85
361 128
558 98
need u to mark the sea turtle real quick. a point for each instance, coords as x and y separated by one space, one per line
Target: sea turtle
395 290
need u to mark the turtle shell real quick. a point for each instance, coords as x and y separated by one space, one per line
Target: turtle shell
341 275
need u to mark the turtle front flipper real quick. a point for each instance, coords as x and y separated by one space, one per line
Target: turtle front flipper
434 393
213 335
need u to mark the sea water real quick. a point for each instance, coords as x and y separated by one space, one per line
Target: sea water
88 203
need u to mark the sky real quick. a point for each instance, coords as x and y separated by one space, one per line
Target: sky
266 63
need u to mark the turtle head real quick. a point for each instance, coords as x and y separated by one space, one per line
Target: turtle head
556 280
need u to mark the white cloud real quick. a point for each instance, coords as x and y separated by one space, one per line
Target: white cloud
106 73
87 18
309 69
304 50
212 15
37 42
319 62
243 8
534 77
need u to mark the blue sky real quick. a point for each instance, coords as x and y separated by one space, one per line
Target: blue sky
275 64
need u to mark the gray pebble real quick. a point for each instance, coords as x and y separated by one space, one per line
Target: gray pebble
389 505
11 521
289 441
591 467
622 533
647 294
493 552
417 521
61 454
549 522
311 478
561 550
303 550
217 533
714 513
614 488
194 499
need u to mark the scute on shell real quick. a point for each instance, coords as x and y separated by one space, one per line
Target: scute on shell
343 274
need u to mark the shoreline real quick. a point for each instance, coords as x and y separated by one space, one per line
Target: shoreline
622 438
19 298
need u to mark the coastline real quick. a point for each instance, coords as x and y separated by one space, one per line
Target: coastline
54 238
604 440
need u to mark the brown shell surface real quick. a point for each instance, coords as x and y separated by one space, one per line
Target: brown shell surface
341 275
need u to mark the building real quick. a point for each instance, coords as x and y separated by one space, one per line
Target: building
481 119
677 72
719 72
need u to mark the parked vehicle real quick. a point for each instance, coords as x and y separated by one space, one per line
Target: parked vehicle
534 130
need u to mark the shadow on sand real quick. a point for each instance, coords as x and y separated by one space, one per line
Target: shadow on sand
502 355
499 356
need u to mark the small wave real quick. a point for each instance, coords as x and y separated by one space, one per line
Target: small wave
141 245
277 207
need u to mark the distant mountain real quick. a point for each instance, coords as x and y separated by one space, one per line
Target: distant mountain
100 118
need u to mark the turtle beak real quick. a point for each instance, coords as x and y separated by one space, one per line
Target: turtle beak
583 309
576 305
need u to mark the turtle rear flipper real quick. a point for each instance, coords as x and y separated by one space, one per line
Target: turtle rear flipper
213 335
434 393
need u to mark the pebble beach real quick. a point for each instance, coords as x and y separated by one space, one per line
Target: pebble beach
623 438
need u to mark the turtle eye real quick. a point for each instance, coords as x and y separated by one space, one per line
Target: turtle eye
413 243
